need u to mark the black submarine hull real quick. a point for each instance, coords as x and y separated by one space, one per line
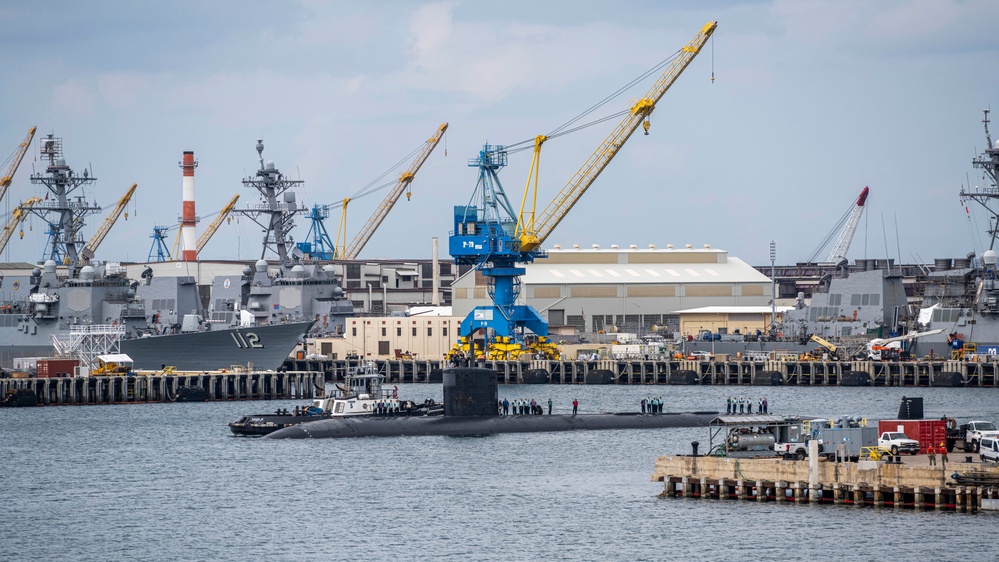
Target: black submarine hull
338 428
471 408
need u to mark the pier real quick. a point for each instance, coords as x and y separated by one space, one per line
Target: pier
912 485
136 389
661 371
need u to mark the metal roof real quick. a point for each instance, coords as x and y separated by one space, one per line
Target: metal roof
119 358
733 270
750 419
734 309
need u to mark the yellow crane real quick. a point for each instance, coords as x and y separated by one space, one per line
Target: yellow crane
533 233
214 225
19 214
351 251
18 156
827 345
88 251
489 237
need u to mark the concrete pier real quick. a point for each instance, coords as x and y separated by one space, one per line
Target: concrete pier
664 371
149 388
866 483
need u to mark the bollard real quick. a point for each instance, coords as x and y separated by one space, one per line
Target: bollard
693 446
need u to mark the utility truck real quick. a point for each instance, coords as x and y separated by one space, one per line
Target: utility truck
845 438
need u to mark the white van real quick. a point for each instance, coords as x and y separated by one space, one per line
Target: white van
989 449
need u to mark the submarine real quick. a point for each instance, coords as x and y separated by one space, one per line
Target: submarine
471 395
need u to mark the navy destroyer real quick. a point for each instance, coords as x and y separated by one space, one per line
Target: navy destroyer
961 296
954 313
293 289
71 294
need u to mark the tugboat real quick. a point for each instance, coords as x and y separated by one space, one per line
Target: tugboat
361 394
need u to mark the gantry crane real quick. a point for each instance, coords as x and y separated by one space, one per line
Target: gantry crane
15 162
159 247
322 248
159 235
847 228
88 251
491 236
19 214
214 225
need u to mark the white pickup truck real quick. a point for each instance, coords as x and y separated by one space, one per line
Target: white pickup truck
975 431
897 442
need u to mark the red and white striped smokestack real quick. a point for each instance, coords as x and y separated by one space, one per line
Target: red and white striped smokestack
188 219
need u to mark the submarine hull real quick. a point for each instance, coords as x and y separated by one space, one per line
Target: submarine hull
471 407
486 425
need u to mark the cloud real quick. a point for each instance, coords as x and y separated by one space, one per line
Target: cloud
122 88
73 96
489 61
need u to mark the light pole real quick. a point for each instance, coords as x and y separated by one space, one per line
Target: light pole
773 289
641 321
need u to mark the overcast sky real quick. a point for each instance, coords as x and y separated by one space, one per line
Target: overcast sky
812 101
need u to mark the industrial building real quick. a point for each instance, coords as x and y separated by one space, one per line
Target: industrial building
595 290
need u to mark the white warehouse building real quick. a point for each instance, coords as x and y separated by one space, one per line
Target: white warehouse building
628 289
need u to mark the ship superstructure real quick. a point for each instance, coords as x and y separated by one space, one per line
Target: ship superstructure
962 295
290 289
65 207
160 319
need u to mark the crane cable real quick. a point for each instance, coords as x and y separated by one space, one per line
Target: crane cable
564 128
371 187
831 234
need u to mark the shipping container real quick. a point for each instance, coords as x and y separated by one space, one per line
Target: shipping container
51 368
927 432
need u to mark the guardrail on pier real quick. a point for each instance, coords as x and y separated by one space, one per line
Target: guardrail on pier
167 388
661 371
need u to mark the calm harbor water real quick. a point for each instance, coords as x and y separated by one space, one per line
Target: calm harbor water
169 482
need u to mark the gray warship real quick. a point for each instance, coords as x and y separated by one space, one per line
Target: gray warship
158 320
292 290
961 295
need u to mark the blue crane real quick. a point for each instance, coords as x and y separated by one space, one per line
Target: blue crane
494 238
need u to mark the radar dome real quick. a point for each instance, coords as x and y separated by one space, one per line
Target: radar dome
269 166
87 272
328 268
261 266
247 270
337 291
50 266
990 257
297 272
36 272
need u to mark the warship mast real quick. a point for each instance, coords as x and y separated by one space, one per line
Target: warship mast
275 216
65 234
986 196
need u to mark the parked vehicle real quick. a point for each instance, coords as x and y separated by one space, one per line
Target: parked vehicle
975 431
897 442
846 436
989 449
924 432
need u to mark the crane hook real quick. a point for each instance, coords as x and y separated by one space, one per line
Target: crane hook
646 124
409 195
